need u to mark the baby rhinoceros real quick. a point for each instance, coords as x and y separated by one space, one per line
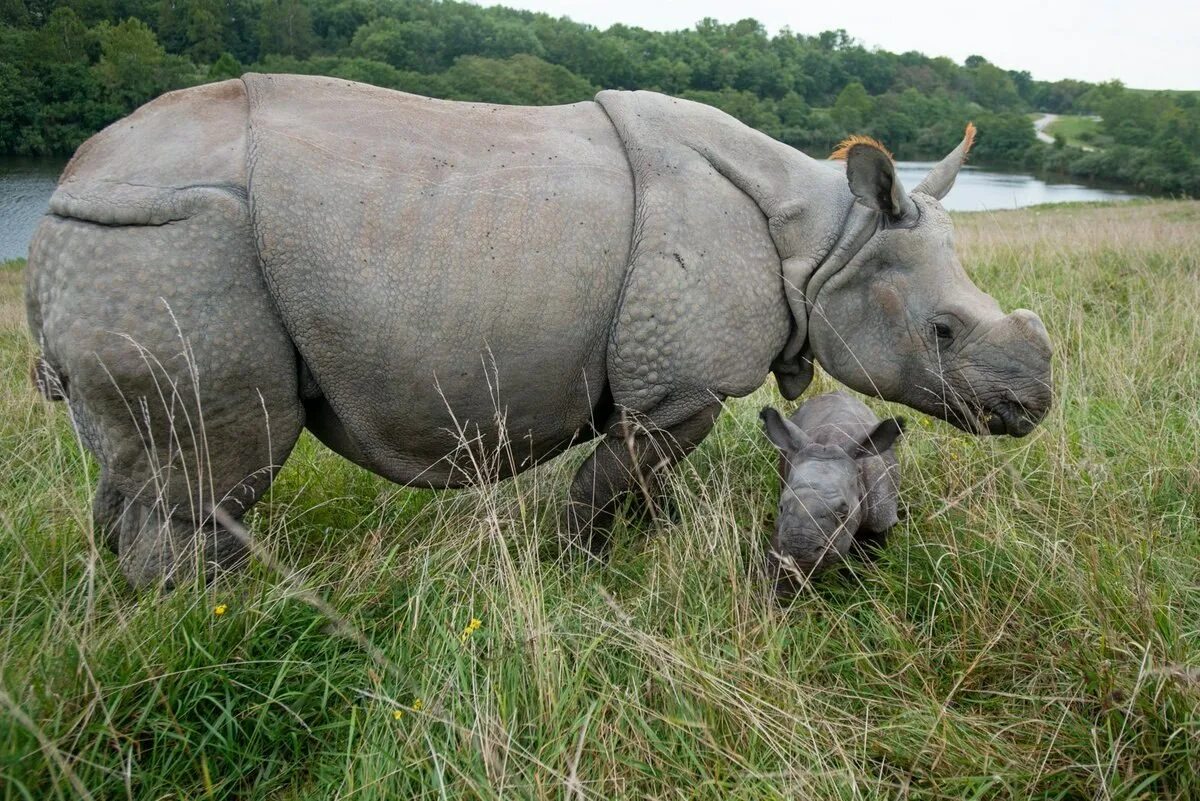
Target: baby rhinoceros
839 482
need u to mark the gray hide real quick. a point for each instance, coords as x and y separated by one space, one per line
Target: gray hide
448 293
839 480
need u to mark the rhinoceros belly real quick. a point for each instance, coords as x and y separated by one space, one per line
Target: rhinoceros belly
448 271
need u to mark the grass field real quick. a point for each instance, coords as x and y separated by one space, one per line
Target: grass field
1076 130
1031 632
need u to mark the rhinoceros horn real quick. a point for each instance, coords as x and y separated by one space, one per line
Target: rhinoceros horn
941 178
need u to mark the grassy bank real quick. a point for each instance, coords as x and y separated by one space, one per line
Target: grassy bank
1031 631
1075 130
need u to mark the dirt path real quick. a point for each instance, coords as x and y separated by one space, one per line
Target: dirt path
1039 127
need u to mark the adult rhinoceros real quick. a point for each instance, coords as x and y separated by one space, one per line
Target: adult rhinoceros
416 281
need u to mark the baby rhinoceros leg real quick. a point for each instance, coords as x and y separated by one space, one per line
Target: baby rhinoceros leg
881 478
868 545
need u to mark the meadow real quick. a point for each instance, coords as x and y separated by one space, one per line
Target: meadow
1032 630
1077 130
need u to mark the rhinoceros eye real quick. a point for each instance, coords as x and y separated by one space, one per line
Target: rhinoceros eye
943 332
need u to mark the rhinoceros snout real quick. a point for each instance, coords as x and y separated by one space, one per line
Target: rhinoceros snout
1012 387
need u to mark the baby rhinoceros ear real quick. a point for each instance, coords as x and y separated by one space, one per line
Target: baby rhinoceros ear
882 437
783 433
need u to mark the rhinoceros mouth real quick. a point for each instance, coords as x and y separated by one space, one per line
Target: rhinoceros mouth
1014 419
966 416
1005 417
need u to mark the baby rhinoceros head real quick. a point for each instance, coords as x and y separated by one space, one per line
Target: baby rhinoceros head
822 494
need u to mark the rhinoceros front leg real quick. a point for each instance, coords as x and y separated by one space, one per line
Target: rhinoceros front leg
631 458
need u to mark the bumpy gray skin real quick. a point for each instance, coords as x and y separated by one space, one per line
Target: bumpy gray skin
839 482
420 282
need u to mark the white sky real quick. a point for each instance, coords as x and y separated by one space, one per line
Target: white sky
1148 45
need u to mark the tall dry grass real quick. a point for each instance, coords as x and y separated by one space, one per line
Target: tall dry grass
1031 631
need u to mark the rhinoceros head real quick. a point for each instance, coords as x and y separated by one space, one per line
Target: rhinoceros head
822 492
902 320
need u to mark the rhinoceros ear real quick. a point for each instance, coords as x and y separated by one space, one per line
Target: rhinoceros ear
941 178
882 437
872 177
783 433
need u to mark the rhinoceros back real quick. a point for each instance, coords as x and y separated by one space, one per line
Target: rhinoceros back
436 262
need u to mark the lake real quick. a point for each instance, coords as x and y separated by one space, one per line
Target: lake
25 188
26 185
987 189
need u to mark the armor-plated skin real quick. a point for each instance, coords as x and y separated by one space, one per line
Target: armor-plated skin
420 282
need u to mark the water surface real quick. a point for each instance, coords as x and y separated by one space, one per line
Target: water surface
986 189
25 189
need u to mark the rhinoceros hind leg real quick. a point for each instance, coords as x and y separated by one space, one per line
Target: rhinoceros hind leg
153 547
656 509
180 377
630 459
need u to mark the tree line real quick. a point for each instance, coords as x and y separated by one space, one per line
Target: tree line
69 67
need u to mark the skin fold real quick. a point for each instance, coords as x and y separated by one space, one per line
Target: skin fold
449 293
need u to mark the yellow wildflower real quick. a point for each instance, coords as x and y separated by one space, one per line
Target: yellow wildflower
471 628
397 714
417 705
220 609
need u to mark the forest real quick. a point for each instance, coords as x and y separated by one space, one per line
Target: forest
70 67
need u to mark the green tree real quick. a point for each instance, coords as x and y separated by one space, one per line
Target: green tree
414 45
224 68
1182 122
994 88
792 110
14 13
18 112
285 27
666 75
133 66
205 31
1131 118
520 79
63 39
852 107
1004 137
1174 156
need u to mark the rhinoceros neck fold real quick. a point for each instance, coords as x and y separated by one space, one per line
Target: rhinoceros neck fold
706 190
812 220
